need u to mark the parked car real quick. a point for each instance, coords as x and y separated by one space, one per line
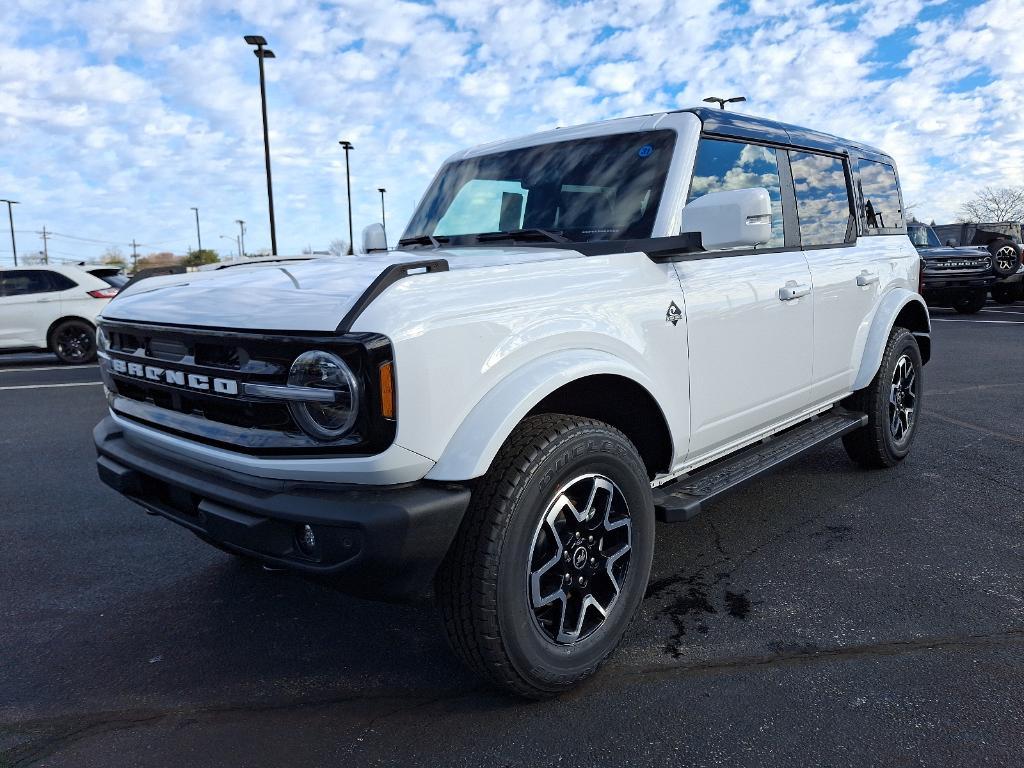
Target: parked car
580 330
52 307
1002 240
952 277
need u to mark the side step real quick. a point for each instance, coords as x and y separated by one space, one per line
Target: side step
683 498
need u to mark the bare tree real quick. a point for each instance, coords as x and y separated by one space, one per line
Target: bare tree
995 204
338 247
113 255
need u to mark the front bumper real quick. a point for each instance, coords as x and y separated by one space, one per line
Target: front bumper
382 542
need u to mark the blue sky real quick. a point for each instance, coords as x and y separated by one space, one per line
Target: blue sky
117 117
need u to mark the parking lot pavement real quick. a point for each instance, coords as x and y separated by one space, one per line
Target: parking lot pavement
822 616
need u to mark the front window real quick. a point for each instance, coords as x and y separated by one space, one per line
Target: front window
603 188
923 237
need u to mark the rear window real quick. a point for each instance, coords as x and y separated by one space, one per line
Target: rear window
115 280
822 199
880 196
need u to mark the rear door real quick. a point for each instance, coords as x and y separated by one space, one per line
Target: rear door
846 272
30 301
748 312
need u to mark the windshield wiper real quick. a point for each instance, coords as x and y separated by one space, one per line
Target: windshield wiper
531 233
424 240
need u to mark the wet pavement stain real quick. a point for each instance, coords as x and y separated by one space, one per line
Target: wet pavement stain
739 604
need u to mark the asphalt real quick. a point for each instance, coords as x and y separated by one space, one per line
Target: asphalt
824 615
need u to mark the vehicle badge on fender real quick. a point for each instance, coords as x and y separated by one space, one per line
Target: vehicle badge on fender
674 314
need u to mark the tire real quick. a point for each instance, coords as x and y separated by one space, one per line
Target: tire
970 302
74 342
505 559
886 439
1005 257
1006 294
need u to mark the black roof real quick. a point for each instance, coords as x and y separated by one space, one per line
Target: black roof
726 123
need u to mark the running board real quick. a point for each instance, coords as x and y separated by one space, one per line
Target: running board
683 499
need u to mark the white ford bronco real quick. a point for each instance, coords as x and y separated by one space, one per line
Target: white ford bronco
581 332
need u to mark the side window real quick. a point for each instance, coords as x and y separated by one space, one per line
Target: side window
880 195
29 281
60 282
726 165
822 199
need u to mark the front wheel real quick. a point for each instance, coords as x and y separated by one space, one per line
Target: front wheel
553 557
74 342
892 402
970 303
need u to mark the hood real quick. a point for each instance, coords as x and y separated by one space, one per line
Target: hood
947 252
310 295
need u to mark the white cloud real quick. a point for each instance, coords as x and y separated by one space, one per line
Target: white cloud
117 116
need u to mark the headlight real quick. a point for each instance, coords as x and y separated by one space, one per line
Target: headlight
102 345
330 417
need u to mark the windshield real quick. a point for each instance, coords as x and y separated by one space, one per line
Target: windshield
604 188
922 236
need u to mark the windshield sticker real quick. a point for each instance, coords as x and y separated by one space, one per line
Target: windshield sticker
645 151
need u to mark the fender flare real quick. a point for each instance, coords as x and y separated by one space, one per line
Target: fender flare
894 303
481 434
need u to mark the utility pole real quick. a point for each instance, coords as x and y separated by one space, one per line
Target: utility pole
199 238
347 145
10 218
135 256
261 54
46 251
383 223
241 237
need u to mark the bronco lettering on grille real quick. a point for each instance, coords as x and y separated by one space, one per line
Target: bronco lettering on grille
195 381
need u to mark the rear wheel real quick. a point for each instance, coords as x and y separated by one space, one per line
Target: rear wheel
892 402
553 557
74 342
970 303
1007 294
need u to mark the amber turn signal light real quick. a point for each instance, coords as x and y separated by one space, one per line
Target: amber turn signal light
387 390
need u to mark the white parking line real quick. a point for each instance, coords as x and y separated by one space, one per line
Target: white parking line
1002 312
51 386
996 322
49 368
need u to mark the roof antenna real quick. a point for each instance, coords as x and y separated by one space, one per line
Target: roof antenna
722 102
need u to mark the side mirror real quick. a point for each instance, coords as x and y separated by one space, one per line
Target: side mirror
951 243
739 217
374 238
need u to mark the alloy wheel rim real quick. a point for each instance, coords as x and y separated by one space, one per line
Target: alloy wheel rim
579 559
74 343
902 398
1006 257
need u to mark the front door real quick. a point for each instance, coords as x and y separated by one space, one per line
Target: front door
749 314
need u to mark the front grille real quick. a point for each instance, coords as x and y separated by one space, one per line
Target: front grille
190 382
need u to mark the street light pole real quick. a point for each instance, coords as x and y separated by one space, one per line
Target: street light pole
347 145
383 222
238 243
722 102
241 236
261 54
199 237
10 218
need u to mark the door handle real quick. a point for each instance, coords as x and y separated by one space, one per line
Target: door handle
793 290
866 278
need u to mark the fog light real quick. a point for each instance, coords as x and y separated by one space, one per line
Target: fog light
307 540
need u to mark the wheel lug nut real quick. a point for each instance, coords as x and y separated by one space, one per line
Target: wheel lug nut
581 581
590 539
568 578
